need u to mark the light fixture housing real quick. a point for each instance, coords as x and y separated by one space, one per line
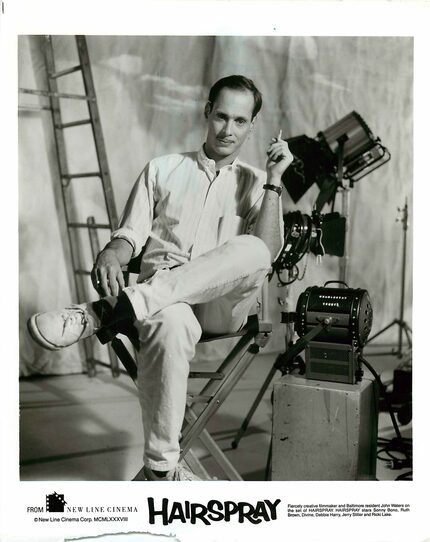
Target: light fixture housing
317 160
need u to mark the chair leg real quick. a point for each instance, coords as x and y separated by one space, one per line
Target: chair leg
213 394
195 465
194 430
213 449
214 387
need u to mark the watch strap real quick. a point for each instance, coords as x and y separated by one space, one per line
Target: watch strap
277 189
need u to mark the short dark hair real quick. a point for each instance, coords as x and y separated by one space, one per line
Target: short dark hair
236 82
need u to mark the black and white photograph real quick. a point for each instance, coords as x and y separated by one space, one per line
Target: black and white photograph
216 242
265 206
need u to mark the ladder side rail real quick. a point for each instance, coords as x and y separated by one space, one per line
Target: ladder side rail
67 196
95 249
97 130
62 163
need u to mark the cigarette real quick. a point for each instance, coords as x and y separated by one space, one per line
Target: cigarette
280 135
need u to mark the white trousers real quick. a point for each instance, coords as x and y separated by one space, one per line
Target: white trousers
213 293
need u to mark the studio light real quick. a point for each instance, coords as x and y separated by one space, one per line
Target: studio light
338 157
362 152
348 143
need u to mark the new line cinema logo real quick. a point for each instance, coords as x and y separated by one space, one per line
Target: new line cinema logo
56 503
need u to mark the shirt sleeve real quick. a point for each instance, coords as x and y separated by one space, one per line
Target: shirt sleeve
136 220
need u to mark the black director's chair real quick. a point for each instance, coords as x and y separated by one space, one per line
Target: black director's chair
203 405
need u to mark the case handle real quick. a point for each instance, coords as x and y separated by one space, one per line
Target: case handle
335 281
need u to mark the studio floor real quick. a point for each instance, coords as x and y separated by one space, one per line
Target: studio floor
79 428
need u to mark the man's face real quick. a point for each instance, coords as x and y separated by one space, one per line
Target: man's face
229 122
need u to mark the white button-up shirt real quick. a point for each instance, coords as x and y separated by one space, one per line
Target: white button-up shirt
179 208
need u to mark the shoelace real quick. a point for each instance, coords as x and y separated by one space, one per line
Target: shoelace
181 473
72 318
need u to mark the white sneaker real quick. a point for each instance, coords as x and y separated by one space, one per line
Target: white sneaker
180 473
57 329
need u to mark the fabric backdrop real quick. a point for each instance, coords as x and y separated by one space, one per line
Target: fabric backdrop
151 93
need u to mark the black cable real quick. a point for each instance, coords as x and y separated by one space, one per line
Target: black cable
407 476
386 450
282 282
398 444
382 388
392 447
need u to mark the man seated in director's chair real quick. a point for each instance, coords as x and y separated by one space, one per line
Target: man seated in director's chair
210 226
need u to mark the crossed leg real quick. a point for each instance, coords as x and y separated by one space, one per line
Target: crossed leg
214 292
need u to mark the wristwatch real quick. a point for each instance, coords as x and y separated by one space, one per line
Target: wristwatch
277 189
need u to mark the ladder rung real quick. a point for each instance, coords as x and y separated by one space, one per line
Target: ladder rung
65 72
94 226
34 108
56 94
74 123
81 175
82 272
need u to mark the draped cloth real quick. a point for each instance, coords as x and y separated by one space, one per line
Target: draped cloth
151 92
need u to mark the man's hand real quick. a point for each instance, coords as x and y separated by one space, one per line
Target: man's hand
106 276
279 157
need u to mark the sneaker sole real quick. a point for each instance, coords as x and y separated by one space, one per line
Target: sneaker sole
36 335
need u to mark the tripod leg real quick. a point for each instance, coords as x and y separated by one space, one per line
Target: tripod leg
253 408
400 340
403 328
407 331
393 323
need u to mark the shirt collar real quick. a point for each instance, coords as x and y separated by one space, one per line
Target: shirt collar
208 164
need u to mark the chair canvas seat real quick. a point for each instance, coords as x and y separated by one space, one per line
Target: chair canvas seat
252 323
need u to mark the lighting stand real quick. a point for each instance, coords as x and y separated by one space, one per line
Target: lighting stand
346 186
404 328
343 264
286 363
281 363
